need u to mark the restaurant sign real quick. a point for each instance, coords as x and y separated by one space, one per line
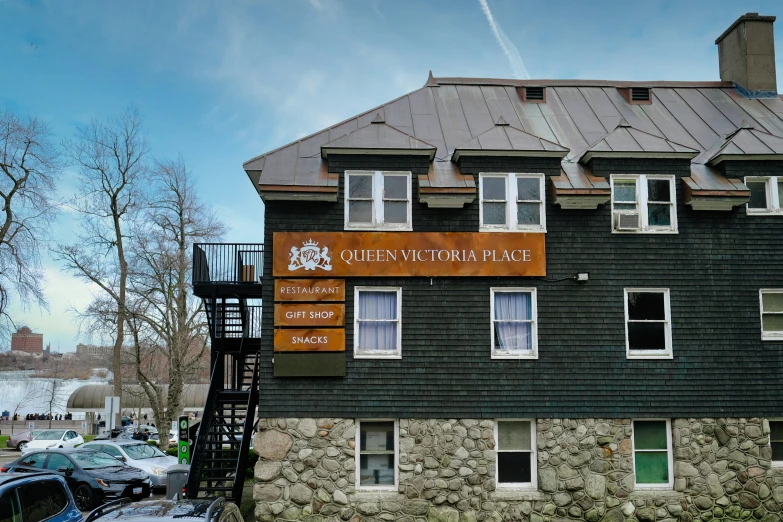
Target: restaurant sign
395 254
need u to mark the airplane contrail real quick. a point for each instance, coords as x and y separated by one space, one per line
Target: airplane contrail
509 49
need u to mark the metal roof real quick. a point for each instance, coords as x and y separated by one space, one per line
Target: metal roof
92 397
452 114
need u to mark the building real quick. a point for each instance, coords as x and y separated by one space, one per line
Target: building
24 340
91 350
530 300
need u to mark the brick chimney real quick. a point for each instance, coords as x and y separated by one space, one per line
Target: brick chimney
746 54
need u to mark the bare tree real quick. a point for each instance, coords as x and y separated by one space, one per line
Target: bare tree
167 318
51 396
29 163
110 156
27 392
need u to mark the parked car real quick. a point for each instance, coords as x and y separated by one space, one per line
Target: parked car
19 440
53 439
31 497
196 509
173 437
140 455
93 477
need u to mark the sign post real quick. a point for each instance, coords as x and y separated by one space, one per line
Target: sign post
31 426
184 447
112 411
84 427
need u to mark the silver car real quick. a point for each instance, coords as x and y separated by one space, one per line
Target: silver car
140 455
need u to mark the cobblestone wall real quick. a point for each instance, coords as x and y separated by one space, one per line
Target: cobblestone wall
722 471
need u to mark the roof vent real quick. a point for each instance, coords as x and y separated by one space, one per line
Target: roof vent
640 94
534 95
636 95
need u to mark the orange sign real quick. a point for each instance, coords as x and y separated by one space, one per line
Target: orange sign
309 290
310 340
395 254
327 314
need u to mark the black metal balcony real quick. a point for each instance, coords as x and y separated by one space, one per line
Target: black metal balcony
228 269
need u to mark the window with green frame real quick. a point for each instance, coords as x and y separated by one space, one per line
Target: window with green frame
652 453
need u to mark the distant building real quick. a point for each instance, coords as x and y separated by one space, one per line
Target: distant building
90 350
24 340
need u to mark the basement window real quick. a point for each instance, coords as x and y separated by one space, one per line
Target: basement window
771 314
376 200
377 452
515 441
643 204
652 454
776 441
648 323
766 195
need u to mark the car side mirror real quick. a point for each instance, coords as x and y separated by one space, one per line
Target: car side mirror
121 458
63 469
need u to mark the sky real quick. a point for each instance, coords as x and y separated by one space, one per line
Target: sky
220 82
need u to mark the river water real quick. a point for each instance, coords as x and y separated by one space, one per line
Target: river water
32 394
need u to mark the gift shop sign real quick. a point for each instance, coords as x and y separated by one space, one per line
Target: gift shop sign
395 254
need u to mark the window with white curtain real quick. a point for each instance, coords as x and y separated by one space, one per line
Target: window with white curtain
377 323
514 332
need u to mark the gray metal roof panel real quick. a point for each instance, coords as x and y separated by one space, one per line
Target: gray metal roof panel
576 115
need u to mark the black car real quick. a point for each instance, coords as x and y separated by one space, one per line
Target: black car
93 476
196 509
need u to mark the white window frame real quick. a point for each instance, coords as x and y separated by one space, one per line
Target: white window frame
358 460
773 196
669 454
667 353
775 463
511 202
768 336
528 486
498 354
377 201
641 203
396 354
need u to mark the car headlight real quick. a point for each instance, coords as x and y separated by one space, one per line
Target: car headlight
158 471
103 483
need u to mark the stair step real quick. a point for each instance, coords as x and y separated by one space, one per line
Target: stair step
218 488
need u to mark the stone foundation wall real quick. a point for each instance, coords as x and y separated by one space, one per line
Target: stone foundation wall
722 471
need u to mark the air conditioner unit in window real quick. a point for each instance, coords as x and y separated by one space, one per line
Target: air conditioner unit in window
626 221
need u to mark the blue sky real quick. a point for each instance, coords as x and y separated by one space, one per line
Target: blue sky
223 81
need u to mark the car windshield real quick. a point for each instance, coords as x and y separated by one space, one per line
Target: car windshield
50 435
142 451
95 460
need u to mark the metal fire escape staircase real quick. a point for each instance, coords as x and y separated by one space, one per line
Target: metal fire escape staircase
228 279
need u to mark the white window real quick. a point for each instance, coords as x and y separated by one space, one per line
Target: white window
652 453
648 332
377 453
766 195
771 314
643 204
377 322
510 202
513 313
377 200
776 441
515 441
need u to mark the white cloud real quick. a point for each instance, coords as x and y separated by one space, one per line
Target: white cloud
509 49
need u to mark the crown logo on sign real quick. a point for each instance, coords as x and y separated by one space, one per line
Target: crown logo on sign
310 257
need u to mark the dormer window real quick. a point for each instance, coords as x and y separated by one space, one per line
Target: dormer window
376 200
643 204
511 202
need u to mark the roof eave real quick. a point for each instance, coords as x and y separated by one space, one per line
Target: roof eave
509 153
587 156
325 151
297 193
719 158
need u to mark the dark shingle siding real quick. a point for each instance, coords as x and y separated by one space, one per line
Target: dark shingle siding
713 268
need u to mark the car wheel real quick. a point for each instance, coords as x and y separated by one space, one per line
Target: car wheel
83 497
22 445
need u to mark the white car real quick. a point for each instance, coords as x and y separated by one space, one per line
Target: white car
53 439
140 455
